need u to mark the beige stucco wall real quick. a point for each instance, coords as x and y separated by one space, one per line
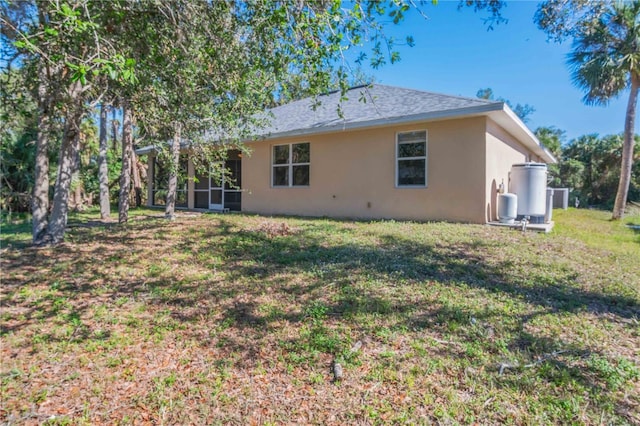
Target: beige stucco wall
352 174
502 151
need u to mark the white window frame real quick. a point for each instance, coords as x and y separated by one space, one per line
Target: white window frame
424 157
290 165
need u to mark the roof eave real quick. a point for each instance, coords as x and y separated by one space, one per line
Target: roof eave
497 111
509 121
153 149
149 149
406 119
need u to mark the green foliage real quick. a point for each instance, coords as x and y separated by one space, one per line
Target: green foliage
552 138
16 163
18 132
605 53
72 43
614 374
561 19
590 167
316 311
89 174
17 148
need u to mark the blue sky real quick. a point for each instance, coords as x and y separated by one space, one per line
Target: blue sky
455 54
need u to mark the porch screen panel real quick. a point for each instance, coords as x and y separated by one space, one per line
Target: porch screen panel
181 190
201 192
160 182
161 172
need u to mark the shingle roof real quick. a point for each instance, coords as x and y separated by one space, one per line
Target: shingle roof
380 105
369 105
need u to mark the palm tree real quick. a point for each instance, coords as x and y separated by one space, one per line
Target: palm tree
605 60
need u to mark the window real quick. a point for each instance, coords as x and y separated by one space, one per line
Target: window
411 155
290 164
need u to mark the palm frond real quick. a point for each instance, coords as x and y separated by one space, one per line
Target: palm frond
606 53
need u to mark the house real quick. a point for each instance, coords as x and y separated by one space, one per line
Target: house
389 153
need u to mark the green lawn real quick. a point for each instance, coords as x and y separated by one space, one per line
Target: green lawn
237 319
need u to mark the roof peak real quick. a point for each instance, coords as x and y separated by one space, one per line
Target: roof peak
359 86
384 91
429 92
376 103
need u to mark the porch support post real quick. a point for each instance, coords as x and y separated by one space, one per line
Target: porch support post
150 172
190 184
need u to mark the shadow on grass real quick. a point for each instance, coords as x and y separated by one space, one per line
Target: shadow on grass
635 227
397 259
76 269
15 235
392 261
256 263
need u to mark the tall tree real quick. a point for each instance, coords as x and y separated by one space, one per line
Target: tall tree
103 170
136 178
70 51
127 154
40 200
605 61
115 125
66 166
590 165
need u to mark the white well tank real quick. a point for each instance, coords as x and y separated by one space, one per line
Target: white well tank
507 208
529 183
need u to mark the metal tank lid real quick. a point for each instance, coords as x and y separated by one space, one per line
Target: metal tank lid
531 164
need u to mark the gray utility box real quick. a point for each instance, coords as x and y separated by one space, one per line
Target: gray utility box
560 198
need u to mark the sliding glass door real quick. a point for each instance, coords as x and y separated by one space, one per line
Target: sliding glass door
216 194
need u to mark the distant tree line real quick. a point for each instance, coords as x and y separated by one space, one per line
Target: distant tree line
521 110
589 166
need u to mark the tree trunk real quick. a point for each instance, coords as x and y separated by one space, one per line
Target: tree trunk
125 173
40 200
103 170
137 183
66 166
627 150
76 182
170 209
114 130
